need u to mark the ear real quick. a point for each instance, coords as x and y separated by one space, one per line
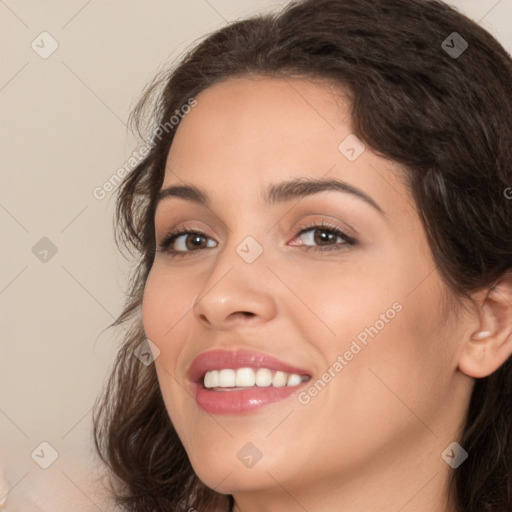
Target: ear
490 345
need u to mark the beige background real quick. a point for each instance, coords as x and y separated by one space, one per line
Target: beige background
63 134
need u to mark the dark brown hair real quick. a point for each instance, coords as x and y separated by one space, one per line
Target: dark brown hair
445 117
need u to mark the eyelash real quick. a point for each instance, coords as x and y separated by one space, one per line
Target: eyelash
348 240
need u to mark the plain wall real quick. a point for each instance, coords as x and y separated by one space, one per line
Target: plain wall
62 135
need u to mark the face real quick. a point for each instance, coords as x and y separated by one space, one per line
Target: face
333 282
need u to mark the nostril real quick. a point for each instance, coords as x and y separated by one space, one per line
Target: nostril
247 314
203 317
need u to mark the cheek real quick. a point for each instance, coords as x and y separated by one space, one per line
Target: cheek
167 300
166 317
386 329
338 302
166 306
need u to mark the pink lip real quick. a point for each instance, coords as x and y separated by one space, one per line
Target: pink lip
246 400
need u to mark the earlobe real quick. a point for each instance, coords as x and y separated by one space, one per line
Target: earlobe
491 345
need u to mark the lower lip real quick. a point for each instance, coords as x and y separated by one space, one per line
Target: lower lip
245 400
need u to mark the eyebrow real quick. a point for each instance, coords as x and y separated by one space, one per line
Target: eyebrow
276 193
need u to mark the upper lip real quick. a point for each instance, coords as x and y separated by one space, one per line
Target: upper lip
219 359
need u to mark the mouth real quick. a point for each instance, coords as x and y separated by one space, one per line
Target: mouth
229 382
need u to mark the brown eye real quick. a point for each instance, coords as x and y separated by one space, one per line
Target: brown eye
324 236
194 241
185 241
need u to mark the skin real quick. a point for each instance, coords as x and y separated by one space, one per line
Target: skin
372 438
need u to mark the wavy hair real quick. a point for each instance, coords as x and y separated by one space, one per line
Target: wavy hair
446 118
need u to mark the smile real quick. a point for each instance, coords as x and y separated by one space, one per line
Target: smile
228 382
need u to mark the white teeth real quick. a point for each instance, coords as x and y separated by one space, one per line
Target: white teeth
279 379
263 377
211 379
245 377
293 380
227 378
249 377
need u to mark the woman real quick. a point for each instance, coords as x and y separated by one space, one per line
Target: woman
325 278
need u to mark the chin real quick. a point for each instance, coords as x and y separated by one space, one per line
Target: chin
224 472
228 480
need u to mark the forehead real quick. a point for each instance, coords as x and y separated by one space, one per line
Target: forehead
260 122
247 133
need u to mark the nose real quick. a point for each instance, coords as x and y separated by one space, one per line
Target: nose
236 294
